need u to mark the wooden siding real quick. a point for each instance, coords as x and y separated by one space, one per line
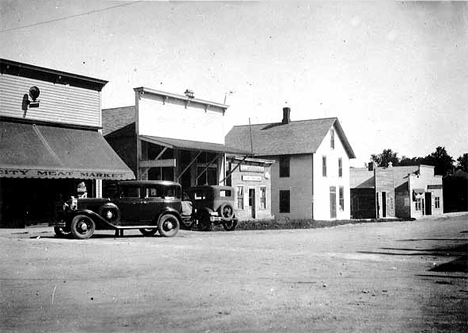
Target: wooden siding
179 119
58 103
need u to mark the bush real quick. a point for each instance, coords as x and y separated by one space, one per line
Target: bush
281 224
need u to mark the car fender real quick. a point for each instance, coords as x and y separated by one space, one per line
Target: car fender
116 212
101 223
169 210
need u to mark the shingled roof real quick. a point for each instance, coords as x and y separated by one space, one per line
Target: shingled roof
295 137
117 118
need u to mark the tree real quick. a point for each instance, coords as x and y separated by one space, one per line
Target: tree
406 161
387 156
462 162
442 162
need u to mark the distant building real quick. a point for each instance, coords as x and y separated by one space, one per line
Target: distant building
310 176
251 179
401 191
50 142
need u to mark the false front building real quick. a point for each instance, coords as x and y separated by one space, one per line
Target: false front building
50 141
400 191
167 136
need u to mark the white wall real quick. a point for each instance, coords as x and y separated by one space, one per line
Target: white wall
322 184
171 118
58 103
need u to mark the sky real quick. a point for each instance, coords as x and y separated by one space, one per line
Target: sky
395 74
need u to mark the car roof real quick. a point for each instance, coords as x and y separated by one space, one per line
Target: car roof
148 182
202 187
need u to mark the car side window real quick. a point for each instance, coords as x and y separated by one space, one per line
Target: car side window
130 192
225 193
153 192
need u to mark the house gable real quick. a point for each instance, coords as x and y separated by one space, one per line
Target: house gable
295 137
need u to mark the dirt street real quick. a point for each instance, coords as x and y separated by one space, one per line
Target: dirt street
379 277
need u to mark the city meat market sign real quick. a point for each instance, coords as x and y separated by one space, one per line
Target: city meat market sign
38 173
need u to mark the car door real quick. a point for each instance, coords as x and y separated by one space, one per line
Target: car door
152 203
129 203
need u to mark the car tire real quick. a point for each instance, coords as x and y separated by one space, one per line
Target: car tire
230 225
187 223
168 225
82 227
62 232
204 223
226 211
148 232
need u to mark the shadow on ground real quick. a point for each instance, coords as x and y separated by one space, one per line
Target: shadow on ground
460 251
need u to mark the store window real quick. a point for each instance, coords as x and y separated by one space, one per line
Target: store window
263 197
284 167
418 204
284 198
240 197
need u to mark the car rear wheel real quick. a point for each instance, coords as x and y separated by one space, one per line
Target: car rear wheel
62 232
148 232
82 227
230 225
168 225
226 211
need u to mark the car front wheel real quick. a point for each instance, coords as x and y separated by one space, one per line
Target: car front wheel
168 225
82 227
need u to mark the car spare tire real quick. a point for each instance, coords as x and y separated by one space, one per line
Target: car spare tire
226 211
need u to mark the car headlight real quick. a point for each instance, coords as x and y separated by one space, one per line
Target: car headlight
109 214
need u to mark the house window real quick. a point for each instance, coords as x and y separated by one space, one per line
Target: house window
324 166
437 202
340 167
284 198
284 167
263 197
240 197
341 198
332 139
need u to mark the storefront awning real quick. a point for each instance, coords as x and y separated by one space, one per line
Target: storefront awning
40 151
192 145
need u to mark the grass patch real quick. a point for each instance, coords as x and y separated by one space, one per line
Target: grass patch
281 224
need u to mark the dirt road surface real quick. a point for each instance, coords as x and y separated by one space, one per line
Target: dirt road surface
376 277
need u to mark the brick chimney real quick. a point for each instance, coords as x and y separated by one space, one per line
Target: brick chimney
286 115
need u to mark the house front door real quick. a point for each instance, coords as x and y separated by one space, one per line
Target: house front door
252 202
384 204
332 202
428 202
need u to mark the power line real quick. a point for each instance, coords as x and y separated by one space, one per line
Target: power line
71 16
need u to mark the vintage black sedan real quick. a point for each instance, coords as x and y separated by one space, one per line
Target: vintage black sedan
150 206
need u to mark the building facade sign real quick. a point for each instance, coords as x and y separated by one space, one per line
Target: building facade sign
248 178
252 168
60 174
